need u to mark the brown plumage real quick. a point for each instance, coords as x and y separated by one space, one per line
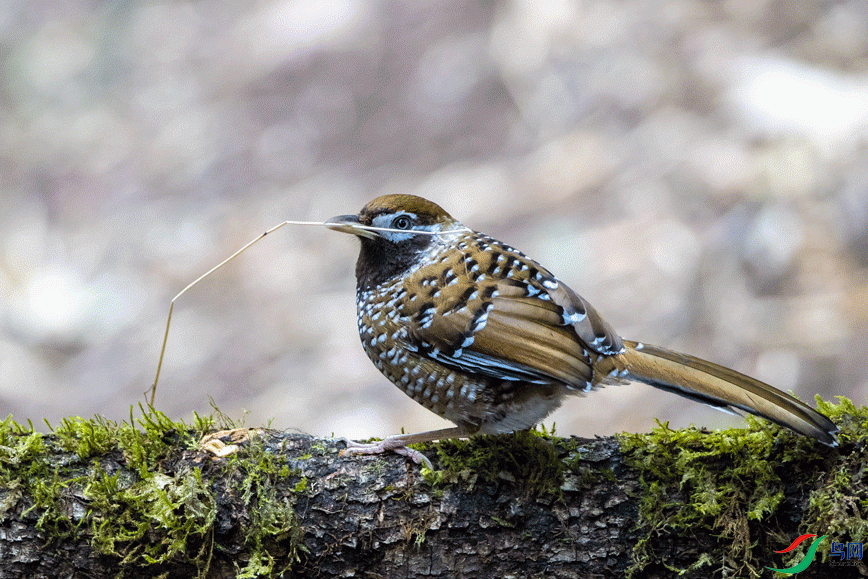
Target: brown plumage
484 336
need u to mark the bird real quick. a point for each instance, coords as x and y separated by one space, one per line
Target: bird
487 338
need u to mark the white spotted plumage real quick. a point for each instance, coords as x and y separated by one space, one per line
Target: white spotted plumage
433 313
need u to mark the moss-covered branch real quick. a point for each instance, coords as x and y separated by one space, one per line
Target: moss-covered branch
150 498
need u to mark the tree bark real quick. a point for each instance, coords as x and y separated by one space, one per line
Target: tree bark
287 504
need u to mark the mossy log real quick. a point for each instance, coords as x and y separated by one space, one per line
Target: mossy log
152 498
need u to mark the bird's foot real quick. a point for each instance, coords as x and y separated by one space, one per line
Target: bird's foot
396 444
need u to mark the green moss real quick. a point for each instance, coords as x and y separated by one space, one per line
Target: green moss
851 419
696 482
26 473
85 438
537 461
720 484
300 487
120 485
530 457
273 534
123 514
838 505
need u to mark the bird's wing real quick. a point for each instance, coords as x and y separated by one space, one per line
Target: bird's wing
500 314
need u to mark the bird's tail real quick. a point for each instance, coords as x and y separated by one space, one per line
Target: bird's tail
717 386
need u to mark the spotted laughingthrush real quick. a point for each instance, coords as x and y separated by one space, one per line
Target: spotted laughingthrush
487 338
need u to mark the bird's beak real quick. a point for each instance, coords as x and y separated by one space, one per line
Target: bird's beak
349 224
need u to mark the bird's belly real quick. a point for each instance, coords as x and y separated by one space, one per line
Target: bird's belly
470 400
446 392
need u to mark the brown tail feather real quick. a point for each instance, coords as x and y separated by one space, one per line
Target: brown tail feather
720 387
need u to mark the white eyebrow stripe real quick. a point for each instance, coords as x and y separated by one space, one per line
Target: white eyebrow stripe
373 228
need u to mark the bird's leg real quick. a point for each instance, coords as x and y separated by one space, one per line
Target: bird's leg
398 444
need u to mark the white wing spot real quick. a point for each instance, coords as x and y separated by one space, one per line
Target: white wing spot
577 317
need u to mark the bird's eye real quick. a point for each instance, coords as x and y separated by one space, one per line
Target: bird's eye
402 222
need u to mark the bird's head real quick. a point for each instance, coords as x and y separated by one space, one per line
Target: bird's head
405 216
406 226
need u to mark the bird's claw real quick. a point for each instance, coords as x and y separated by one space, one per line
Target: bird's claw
389 444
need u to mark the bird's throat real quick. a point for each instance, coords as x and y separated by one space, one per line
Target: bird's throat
381 260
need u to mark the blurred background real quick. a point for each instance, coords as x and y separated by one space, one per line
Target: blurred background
697 170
